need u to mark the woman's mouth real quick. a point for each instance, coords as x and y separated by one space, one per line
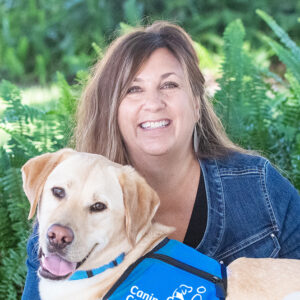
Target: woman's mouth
155 124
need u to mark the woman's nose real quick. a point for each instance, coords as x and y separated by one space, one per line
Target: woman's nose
154 101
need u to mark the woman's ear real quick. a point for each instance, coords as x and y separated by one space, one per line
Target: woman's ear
140 201
35 173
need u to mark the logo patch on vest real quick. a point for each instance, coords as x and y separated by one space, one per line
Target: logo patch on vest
183 292
137 294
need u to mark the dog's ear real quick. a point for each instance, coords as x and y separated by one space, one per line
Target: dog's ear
140 201
35 173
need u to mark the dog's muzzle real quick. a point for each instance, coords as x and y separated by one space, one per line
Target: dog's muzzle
53 265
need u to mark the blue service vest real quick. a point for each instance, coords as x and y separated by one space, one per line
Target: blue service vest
171 271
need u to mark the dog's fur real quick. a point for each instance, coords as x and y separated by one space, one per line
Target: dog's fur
124 226
263 278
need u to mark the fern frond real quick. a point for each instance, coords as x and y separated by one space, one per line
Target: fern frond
9 92
282 35
7 240
15 110
256 107
18 206
294 85
234 35
295 168
29 149
230 96
292 62
14 229
13 272
242 101
67 99
268 74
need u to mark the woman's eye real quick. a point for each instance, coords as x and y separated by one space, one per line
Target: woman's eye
97 207
169 85
133 89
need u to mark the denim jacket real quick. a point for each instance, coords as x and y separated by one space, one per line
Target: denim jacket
252 211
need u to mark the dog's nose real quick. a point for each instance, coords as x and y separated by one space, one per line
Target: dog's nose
60 236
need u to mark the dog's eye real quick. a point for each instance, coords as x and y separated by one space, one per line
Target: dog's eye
97 207
58 192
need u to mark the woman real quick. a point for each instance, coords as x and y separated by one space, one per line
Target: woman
145 106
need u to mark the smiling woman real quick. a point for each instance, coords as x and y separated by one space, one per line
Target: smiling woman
145 105
125 74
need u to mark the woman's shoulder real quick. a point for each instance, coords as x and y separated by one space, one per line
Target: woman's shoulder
238 161
251 164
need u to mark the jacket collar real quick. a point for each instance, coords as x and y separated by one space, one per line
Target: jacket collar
215 208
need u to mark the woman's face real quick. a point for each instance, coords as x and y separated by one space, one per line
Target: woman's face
157 116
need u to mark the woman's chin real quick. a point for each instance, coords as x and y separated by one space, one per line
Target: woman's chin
156 149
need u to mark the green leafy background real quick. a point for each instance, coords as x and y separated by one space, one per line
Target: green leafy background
53 43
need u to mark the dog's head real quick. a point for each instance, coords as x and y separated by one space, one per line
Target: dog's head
89 209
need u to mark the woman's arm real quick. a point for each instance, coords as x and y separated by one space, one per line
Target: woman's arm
286 202
31 289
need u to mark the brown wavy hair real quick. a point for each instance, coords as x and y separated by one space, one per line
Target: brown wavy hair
97 128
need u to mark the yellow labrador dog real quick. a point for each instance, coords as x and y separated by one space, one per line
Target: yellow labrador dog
90 210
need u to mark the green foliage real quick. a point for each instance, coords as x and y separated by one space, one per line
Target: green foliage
256 114
13 205
288 118
14 231
32 132
39 38
281 34
240 100
132 11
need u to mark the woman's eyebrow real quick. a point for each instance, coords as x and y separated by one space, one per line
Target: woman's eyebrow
163 76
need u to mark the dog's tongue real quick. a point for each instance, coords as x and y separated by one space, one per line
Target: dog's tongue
58 266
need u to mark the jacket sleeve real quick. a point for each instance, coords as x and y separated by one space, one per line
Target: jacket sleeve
285 200
31 290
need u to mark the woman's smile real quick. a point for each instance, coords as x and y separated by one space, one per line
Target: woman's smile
150 125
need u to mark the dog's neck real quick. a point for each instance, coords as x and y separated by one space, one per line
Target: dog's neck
155 235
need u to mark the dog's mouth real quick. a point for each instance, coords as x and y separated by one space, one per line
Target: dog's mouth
54 267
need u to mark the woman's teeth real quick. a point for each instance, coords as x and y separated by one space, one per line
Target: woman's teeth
153 125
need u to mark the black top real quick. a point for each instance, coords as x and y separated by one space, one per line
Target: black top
197 225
